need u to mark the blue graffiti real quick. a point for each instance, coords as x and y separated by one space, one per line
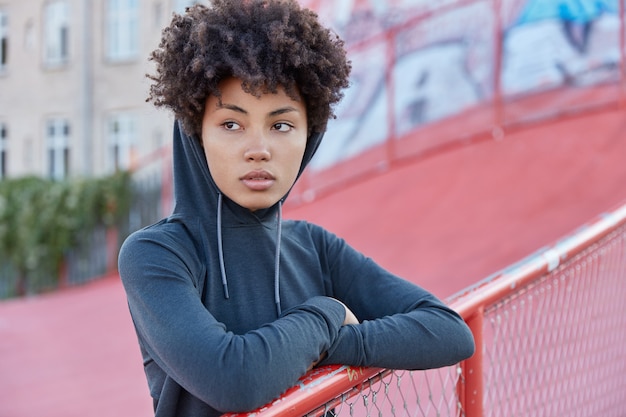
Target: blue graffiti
576 16
570 10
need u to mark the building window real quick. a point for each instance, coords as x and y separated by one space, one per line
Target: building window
58 151
181 5
4 39
122 29
56 33
121 134
3 150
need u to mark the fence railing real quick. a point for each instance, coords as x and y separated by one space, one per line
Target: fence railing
153 198
550 337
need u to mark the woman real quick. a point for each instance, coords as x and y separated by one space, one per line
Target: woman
232 304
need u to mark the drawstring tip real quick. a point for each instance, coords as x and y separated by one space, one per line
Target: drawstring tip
220 249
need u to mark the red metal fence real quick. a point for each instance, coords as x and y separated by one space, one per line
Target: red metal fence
551 341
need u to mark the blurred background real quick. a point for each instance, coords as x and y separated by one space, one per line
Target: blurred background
436 85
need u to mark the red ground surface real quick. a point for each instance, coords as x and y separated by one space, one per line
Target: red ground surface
444 222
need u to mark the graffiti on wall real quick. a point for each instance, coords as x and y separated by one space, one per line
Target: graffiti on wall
422 61
561 42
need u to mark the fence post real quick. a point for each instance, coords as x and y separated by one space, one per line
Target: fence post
498 106
112 247
473 369
622 55
390 79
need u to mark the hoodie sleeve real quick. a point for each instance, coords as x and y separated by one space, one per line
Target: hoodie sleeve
197 351
402 325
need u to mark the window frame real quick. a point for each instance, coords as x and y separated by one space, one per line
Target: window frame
56 33
57 148
4 39
4 150
122 30
121 139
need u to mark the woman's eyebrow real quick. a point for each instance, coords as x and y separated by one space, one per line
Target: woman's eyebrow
232 107
282 110
273 113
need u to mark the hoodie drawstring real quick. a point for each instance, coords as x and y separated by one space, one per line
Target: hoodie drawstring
220 251
279 227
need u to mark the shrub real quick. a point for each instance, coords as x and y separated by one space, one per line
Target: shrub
41 220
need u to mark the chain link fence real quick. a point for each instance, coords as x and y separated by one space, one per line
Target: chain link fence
558 345
551 341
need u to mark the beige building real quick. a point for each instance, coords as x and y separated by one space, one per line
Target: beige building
73 85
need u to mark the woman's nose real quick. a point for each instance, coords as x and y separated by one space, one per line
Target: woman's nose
258 148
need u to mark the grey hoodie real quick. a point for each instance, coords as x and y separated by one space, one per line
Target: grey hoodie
231 306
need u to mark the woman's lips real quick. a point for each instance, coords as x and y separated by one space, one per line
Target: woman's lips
258 180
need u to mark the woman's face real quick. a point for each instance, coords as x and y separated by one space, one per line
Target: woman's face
253 145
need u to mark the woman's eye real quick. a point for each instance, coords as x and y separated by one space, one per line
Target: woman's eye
283 127
231 126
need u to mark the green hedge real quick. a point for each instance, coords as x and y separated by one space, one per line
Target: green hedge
41 220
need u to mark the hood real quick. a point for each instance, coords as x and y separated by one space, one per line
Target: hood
202 207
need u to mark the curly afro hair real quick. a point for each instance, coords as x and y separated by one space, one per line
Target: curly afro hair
265 43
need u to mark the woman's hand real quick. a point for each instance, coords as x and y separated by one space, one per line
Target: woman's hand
350 317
